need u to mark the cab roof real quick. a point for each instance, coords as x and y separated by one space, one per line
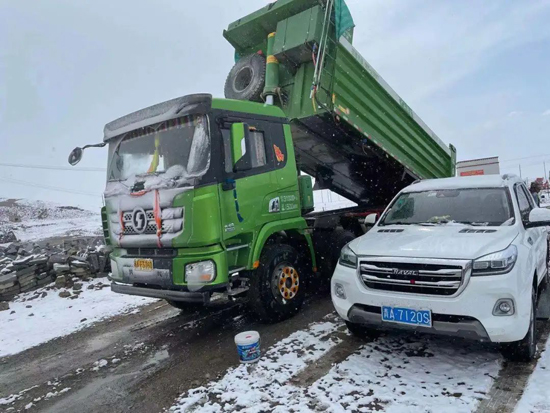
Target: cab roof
463 182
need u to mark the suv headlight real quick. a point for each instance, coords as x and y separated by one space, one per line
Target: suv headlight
496 263
348 257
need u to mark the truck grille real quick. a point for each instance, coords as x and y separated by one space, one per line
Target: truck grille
129 229
414 278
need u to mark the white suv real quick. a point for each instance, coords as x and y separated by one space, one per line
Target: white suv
458 256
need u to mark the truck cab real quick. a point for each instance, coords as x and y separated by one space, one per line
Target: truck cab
195 188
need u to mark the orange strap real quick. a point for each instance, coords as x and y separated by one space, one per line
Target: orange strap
158 217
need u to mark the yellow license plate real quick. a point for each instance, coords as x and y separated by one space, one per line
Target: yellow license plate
143 264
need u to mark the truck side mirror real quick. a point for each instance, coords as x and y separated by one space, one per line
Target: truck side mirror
371 219
241 147
75 156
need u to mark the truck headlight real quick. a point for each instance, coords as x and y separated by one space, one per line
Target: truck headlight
201 272
496 263
348 257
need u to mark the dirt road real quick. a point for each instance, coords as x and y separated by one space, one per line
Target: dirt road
140 362
143 362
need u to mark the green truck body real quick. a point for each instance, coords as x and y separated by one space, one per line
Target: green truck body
206 195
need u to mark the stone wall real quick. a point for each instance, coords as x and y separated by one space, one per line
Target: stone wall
27 266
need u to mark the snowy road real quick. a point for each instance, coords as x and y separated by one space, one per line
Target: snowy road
155 358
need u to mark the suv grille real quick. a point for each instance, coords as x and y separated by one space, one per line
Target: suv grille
415 278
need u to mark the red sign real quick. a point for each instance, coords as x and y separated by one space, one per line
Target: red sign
471 173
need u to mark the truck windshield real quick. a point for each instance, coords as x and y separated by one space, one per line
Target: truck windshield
482 206
178 149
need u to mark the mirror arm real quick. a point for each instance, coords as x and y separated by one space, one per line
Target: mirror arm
95 145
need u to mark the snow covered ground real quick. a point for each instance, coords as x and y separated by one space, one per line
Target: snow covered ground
29 323
393 373
36 220
536 397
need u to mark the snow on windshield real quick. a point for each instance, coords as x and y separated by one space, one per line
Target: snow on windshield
164 157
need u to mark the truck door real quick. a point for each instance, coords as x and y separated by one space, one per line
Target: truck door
249 198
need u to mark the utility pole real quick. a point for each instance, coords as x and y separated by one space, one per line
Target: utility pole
544 164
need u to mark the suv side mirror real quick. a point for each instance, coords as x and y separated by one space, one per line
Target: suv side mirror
241 147
538 217
371 219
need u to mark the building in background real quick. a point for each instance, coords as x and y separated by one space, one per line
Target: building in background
483 166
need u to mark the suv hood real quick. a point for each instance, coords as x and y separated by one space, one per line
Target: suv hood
444 241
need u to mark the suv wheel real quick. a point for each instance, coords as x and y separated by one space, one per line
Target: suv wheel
525 350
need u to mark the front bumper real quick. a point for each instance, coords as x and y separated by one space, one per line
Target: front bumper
444 325
470 312
190 297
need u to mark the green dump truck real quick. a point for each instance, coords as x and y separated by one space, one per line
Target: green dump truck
208 195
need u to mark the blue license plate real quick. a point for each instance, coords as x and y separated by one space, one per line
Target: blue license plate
407 316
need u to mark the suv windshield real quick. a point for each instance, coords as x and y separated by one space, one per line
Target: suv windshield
178 149
483 206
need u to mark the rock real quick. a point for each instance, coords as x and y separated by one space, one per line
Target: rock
60 281
90 287
43 275
28 287
73 297
22 260
7 237
77 286
27 270
59 268
58 259
5 306
44 294
64 294
79 264
7 280
39 260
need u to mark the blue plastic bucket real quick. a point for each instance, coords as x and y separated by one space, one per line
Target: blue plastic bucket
248 346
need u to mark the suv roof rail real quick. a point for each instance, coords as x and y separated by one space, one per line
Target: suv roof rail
508 176
417 181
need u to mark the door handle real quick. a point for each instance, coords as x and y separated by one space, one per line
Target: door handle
229 185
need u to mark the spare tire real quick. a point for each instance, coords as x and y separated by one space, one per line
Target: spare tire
246 79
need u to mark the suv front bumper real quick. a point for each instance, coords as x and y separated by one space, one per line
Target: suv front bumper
470 312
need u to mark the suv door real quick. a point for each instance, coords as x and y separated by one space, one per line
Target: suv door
534 238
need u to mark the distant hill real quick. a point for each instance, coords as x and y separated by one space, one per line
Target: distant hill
34 220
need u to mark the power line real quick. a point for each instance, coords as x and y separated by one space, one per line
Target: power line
525 157
53 188
61 168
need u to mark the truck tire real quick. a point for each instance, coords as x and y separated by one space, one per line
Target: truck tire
277 286
328 245
246 79
525 350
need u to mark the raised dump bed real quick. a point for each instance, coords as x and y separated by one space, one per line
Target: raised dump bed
351 130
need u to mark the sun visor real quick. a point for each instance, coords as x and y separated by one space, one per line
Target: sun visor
198 104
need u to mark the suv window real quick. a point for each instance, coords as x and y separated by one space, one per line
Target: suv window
524 202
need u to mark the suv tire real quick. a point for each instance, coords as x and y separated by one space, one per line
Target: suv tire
525 350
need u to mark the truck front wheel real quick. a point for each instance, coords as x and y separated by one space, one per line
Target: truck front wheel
277 286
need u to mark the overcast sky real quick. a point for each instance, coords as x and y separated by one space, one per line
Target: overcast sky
477 72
